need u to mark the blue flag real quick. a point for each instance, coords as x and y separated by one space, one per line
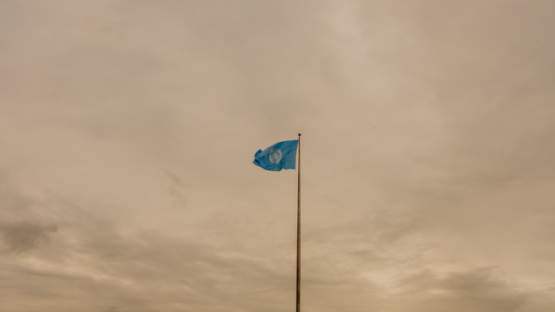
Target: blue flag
282 155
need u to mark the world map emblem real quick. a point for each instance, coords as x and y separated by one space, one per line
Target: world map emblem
274 156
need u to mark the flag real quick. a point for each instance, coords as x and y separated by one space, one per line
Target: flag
282 155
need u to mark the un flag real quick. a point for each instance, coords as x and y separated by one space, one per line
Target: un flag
282 155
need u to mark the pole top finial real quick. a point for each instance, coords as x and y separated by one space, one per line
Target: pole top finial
299 134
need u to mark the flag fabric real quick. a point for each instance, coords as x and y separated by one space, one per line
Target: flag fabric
282 155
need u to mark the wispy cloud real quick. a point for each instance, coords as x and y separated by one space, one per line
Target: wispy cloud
25 235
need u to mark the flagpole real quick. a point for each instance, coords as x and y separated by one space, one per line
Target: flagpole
299 231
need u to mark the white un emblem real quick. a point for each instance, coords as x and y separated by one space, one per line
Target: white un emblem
275 156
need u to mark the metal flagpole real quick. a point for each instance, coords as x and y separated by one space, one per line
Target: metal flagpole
299 231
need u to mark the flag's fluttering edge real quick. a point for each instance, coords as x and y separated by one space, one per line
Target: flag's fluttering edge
282 155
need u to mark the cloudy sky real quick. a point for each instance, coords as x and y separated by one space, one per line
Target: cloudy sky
128 129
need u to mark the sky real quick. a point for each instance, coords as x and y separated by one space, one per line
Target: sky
128 131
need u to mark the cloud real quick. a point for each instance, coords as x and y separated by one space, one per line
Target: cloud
482 289
427 164
22 236
175 190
